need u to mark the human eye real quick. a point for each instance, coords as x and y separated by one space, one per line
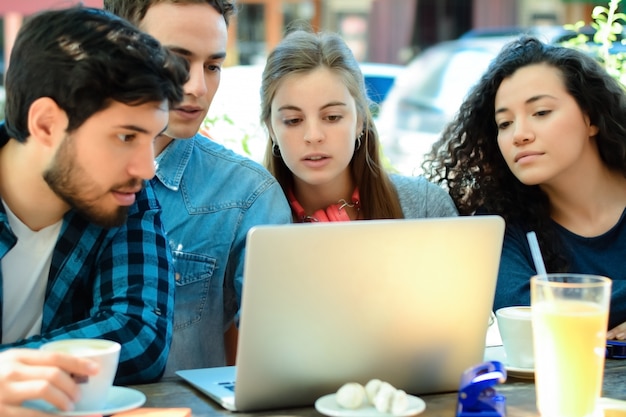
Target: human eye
291 121
126 137
334 117
541 113
213 67
503 124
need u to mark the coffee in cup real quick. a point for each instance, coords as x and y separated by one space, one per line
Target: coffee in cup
94 388
515 327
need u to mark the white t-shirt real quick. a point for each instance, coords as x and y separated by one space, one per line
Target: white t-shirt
25 270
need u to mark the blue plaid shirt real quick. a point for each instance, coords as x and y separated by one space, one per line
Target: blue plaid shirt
109 283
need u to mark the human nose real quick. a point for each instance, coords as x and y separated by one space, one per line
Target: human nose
142 163
313 133
522 133
196 85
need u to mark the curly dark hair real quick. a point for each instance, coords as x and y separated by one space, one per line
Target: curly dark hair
467 159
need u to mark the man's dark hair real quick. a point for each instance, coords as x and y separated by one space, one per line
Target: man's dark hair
85 59
135 10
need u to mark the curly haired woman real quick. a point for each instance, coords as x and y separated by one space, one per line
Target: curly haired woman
541 141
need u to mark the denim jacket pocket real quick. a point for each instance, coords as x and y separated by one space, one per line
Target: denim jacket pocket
193 278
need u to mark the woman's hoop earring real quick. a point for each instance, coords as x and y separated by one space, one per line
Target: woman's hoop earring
358 141
275 150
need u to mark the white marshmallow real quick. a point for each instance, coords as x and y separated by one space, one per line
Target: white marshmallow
382 395
399 402
350 395
371 388
382 399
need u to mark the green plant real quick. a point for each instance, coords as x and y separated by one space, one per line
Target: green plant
231 136
608 24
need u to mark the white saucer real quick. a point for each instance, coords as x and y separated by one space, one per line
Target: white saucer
522 373
496 353
119 399
328 405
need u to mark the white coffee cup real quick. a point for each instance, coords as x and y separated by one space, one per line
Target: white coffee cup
93 389
516 331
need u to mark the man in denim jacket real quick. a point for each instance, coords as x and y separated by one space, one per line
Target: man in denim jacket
211 196
83 249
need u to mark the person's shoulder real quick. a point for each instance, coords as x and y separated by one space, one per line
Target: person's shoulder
405 179
411 183
422 198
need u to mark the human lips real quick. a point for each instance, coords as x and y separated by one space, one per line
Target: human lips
316 160
188 108
527 155
315 157
126 196
189 111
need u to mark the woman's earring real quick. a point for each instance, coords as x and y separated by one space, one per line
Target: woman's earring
275 150
358 141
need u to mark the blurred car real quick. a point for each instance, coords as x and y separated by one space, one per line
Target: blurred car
379 79
233 118
555 34
427 94
547 33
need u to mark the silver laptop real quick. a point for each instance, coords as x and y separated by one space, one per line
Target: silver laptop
405 301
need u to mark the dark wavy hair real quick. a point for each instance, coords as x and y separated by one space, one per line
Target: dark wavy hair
468 161
302 51
85 59
135 10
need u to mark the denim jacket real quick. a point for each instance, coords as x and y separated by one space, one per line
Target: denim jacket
210 197
109 283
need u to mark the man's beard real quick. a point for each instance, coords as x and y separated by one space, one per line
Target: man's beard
71 183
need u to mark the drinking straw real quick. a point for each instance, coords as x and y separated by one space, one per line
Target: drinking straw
536 253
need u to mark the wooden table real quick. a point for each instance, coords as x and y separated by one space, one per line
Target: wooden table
520 396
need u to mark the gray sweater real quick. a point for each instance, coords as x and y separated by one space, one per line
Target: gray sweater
421 198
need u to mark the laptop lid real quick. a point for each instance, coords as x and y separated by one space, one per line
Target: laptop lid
405 301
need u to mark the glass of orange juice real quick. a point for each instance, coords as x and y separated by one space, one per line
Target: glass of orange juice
569 320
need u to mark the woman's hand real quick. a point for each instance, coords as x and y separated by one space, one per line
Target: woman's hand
29 374
618 332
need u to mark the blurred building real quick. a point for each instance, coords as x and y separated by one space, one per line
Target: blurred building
12 13
388 31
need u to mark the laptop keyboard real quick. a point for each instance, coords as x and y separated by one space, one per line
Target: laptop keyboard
228 385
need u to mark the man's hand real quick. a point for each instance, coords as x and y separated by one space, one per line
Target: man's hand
28 374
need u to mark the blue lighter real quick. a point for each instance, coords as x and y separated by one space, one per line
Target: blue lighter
477 395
